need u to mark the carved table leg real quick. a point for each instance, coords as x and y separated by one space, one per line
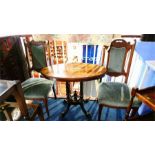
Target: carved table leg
82 101
66 111
75 100
67 100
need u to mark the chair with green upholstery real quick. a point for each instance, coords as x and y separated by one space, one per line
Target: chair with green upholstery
37 88
117 94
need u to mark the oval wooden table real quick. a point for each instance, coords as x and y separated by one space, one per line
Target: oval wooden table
74 72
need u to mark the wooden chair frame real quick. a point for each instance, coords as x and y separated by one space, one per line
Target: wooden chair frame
28 53
118 43
17 92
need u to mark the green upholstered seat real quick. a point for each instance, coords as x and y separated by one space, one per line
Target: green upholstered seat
115 94
37 88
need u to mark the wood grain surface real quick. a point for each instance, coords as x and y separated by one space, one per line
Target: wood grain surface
74 72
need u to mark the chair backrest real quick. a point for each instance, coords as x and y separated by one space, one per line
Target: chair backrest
37 52
119 58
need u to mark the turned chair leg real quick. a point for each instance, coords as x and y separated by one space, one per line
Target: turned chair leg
8 115
40 113
129 108
46 106
100 112
54 92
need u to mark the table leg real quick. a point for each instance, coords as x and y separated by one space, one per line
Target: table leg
82 101
74 100
68 92
66 110
67 100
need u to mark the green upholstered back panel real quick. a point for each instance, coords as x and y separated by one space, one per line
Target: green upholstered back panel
38 57
116 59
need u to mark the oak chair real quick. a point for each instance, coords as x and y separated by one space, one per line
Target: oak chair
37 88
117 94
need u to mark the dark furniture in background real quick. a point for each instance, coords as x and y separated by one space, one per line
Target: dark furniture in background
148 37
12 60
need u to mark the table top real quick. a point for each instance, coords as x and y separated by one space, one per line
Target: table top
74 72
147 95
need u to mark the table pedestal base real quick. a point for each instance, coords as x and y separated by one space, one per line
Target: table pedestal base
75 100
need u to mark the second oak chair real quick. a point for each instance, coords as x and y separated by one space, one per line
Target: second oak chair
116 94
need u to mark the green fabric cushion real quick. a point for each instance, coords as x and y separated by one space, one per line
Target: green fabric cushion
114 94
38 57
36 88
116 59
